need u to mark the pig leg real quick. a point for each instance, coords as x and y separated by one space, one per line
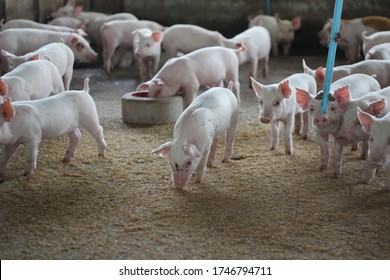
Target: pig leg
213 149
274 135
201 168
298 123
288 129
364 151
31 156
264 66
74 137
92 127
253 62
371 170
286 48
387 178
323 140
229 138
121 54
275 44
337 159
6 154
189 94
306 124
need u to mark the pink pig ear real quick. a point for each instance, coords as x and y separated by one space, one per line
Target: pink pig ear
157 36
191 150
285 89
296 22
73 40
33 57
365 119
8 110
3 87
257 87
163 149
376 107
303 98
343 96
320 74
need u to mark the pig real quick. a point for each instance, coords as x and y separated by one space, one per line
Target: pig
118 33
32 80
28 122
24 40
380 68
379 156
381 51
71 22
256 44
71 10
351 30
195 135
277 103
209 66
185 38
25 23
374 39
147 51
57 53
282 31
330 122
375 103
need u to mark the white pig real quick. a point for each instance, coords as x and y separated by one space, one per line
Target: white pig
20 41
32 80
195 135
71 10
119 34
277 103
147 51
26 23
57 53
28 122
375 103
379 155
329 123
374 39
381 69
71 22
282 31
204 67
381 51
351 30
185 38
256 44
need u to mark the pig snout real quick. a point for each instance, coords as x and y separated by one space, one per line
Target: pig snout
265 119
180 180
321 120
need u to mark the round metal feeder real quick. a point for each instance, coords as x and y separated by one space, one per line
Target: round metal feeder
139 108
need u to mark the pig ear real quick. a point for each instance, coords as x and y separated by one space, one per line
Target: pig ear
77 11
306 69
33 57
240 46
8 54
303 98
190 149
8 110
163 149
284 88
343 96
3 87
296 22
376 107
320 74
157 36
73 40
257 87
365 119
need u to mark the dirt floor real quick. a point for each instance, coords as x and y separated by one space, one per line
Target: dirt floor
261 205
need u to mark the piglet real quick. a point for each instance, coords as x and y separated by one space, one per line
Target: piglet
374 39
147 51
381 51
378 129
205 67
28 122
277 103
211 114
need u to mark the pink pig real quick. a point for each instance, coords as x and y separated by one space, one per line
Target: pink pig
204 67
278 104
195 136
282 31
379 156
330 122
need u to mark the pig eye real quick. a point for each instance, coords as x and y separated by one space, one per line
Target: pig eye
332 108
277 103
148 45
80 45
177 167
261 102
371 139
188 165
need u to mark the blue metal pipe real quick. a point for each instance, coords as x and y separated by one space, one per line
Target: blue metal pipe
268 7
331 54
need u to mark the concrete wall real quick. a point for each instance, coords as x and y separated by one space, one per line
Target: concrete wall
227 16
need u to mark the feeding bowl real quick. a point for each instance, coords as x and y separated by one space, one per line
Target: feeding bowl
139 108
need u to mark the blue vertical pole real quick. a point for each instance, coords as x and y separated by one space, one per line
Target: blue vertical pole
268 7
331 54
